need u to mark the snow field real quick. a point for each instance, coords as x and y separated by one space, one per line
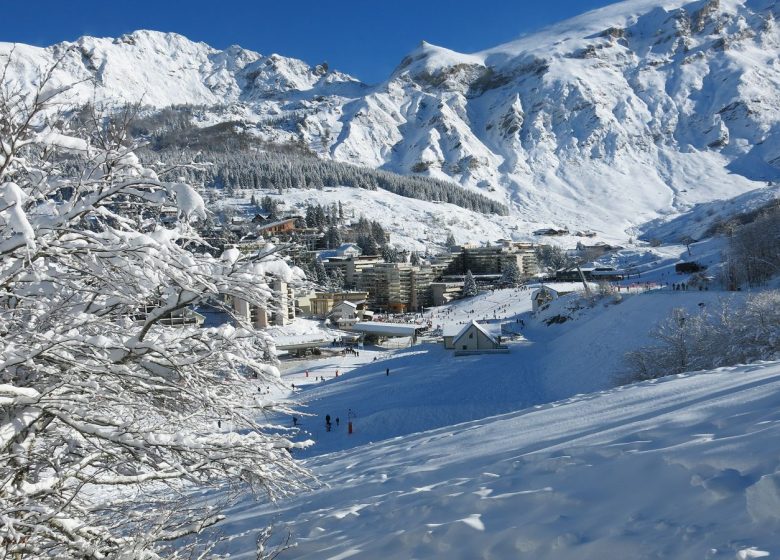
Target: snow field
428 387
676 468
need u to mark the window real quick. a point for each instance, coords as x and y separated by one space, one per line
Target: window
471 335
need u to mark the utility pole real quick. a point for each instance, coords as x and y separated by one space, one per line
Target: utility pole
584 283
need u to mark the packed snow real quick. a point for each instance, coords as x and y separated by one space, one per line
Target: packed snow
676 468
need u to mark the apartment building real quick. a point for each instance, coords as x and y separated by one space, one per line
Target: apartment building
493 259
279 312
397 287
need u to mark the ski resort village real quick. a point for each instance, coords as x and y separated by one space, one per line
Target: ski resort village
520 303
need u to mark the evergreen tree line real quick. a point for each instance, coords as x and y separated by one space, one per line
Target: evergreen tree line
321 217
281 172
371 236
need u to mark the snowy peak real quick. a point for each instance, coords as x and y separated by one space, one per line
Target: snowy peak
164 69
564 123
437 66
622 115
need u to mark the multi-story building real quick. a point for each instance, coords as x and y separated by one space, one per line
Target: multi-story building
445 263
493 259
444 292
280 311
354 268
323 302
397 287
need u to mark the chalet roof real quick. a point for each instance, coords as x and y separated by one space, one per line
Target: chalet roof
276 223
451 330
345 302
479 328
387 329
338 252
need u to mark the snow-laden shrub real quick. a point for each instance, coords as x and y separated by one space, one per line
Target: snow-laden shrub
727 335
112 417
753 254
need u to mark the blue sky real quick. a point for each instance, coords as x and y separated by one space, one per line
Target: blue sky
364 38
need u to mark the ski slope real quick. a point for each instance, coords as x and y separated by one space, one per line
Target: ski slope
535 453
685 467
429 387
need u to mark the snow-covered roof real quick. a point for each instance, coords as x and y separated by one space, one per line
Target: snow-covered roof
345 302
340 251
387 329
479 327
451 329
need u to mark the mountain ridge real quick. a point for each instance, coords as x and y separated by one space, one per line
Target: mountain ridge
626 114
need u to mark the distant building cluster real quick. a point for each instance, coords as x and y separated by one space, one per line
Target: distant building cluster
400 287
360 272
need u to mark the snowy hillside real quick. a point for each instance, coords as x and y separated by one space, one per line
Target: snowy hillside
634 111
624 115
429 387
676 468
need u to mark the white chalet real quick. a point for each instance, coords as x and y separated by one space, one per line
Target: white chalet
471 338
344 314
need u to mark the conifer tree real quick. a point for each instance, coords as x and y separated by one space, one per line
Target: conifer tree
450 242
470 285
510 275
320 273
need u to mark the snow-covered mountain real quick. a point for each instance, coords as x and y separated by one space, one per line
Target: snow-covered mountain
164 69
608 120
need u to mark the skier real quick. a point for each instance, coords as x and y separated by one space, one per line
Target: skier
387 372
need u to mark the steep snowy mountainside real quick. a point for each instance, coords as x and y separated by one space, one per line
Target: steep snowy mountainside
164 69
634 111
627 114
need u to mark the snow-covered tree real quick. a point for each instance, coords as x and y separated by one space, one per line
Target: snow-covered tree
450 241
510 275
414 258
553 257
320 274
390 254
367 244
753 253
333 237
336 280
110 413
727 334
470 285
